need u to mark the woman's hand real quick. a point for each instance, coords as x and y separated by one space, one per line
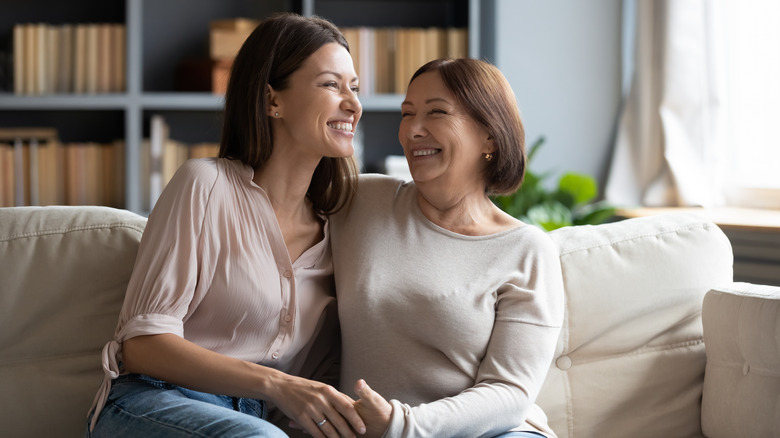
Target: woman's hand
373 409
307 403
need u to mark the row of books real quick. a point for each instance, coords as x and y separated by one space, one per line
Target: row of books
69 58
37 169
386 58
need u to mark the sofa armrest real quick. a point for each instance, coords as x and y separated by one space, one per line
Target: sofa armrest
741 394
63 275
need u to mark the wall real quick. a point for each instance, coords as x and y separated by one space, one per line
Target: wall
563 60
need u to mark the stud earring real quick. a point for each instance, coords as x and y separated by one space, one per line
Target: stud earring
488 156
276 114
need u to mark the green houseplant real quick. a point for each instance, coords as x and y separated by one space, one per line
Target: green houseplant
570 203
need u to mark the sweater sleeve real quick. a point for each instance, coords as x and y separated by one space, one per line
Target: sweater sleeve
528 318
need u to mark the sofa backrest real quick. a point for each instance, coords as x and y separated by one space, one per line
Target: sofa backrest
630 359
63 275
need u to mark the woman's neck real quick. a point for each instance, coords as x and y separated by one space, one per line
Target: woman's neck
286 181
470 213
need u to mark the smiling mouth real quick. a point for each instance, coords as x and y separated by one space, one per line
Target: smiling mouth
341 126
425 152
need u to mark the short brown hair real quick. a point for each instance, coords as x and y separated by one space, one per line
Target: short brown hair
272 52
483 91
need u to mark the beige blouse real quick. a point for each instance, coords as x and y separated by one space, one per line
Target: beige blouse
213 268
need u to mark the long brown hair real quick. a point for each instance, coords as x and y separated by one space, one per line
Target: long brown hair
483 91
271 53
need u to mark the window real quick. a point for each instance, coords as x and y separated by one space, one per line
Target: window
751 101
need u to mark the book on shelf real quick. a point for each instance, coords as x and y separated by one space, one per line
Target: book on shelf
118 64
65 61
91 59
211 73
79 60
226 36
7 177
386 58
28 160
94 173
69 58
38 169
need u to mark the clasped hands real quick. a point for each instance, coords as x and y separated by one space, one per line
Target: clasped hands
371 409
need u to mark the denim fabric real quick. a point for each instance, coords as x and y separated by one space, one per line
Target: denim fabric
141 406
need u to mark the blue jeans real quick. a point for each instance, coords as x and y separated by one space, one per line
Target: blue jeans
141 406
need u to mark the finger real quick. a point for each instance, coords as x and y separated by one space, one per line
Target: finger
346 418
312 429
294 425
338 424
364 391
329 430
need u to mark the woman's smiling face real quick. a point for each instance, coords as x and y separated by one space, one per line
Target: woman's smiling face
319 110
442 143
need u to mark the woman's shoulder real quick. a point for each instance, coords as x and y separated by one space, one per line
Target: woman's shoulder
199 169
375 195
371 184
531 240
207 171
196 175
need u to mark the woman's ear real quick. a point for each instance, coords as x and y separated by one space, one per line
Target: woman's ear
273 106
489 146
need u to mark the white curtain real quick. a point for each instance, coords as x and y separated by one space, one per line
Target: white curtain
669 148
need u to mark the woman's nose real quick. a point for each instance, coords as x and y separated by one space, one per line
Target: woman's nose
414 128
351 103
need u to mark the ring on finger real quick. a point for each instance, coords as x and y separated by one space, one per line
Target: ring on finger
322 423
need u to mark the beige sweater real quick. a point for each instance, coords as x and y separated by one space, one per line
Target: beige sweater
458 332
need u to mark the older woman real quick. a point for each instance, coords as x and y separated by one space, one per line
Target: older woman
449 308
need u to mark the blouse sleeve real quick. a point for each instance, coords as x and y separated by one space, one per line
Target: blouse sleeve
162 286
528 318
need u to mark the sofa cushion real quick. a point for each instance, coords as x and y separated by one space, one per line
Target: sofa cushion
630 358
63 274
742 336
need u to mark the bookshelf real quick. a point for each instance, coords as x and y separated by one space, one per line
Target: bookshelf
158 36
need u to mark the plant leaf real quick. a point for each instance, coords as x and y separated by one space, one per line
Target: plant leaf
582 187
550 215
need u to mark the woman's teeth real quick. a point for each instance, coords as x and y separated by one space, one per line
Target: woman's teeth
341 126
424 152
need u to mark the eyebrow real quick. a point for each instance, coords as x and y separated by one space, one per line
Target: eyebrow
435 99
338 75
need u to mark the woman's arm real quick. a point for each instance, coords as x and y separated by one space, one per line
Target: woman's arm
520 348
176 360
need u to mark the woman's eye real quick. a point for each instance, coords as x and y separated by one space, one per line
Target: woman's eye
438 111
331 84
406 114
355 90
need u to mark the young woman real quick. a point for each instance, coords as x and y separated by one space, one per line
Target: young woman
233 280
449 308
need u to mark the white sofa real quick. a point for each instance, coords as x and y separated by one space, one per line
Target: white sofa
631 358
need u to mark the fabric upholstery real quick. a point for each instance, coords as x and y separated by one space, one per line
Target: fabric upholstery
63 274
631 358
742 335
